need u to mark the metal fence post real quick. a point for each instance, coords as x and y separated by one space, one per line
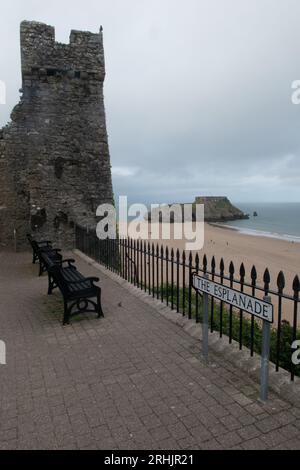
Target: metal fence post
265 356
205 325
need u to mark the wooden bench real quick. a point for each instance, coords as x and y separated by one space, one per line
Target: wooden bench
79 293
44 246
36 246
49 261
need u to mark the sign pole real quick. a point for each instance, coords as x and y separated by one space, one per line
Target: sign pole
205 325
265 355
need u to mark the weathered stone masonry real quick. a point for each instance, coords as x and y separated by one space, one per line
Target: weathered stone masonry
54 156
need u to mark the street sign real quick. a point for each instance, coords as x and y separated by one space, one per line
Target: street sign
259 308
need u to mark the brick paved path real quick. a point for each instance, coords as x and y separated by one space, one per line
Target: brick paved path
133 380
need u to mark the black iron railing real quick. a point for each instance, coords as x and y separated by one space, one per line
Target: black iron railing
166 274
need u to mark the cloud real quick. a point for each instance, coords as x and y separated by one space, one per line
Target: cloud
197 93
124 171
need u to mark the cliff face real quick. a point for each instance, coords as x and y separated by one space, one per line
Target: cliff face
216 209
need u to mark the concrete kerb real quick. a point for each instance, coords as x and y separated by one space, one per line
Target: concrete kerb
279 382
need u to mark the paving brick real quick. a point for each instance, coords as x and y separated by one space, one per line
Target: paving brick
200 433
249 432
211 444
169 444
178 430
231 422
151 421
242 399
267 424
230 439
217 429
236 410
160 433
247 419
273 438
292 444
285 417
255 409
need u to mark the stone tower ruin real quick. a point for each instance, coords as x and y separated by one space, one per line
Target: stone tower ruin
54 156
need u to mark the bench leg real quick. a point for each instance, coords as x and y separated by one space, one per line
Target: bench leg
41 269
50 284
66 314
34 257
100 311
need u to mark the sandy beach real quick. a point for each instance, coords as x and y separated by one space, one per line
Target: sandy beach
263 252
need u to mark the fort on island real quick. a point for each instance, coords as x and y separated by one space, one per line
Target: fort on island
216 209
54 156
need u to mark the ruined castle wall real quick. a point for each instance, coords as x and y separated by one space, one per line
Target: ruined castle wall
54 156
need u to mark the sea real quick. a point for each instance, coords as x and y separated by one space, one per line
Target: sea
274 220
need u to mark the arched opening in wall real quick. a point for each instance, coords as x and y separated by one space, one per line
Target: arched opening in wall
65 230
38 219
59 167
51 72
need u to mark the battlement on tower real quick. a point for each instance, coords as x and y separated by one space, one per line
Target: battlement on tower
41 55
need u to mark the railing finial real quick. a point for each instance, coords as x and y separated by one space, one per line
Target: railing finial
267 280
281 281
296 286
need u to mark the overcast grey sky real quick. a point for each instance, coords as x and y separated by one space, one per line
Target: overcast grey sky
197 92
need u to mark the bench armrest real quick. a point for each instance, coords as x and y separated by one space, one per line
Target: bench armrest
45 242
69 261
92 279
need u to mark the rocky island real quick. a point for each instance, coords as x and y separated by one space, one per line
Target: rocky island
220 209
216 209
